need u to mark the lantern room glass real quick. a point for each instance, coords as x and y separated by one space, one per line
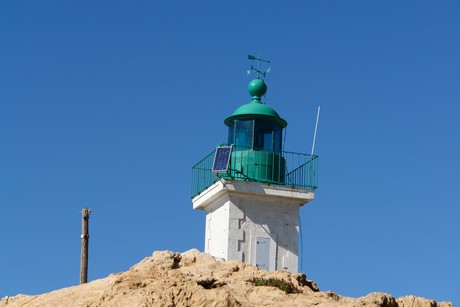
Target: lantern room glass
255 134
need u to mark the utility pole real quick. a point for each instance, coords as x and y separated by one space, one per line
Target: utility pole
85 212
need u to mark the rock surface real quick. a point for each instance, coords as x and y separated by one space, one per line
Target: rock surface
197 279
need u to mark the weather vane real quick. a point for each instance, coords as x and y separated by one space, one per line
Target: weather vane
258 70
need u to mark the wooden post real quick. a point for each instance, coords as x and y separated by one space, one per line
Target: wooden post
85 212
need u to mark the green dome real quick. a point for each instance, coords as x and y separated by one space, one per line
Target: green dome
256 109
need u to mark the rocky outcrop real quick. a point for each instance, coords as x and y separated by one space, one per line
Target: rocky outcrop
198 279
408 301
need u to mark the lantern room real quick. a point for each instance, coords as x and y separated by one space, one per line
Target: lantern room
256 125
255 132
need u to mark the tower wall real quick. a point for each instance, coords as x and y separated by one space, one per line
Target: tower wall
253 223
276 221
217 227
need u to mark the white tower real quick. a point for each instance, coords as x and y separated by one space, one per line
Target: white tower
251 190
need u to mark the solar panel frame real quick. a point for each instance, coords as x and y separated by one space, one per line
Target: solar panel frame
222 159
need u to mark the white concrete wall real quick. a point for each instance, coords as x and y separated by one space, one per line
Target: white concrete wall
238 212
276 219
217 227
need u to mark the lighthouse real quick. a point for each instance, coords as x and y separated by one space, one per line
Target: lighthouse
251 189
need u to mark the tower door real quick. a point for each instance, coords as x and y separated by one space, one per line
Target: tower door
263 253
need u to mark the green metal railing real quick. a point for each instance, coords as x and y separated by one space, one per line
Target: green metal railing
290 169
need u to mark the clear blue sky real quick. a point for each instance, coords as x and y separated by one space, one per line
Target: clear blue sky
108 104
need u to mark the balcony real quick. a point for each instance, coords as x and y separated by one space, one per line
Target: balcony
295 170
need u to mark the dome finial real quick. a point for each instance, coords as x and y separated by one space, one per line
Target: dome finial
257 87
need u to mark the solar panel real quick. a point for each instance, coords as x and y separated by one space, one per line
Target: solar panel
221 159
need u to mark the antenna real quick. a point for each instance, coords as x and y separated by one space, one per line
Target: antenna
314 135
258 70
